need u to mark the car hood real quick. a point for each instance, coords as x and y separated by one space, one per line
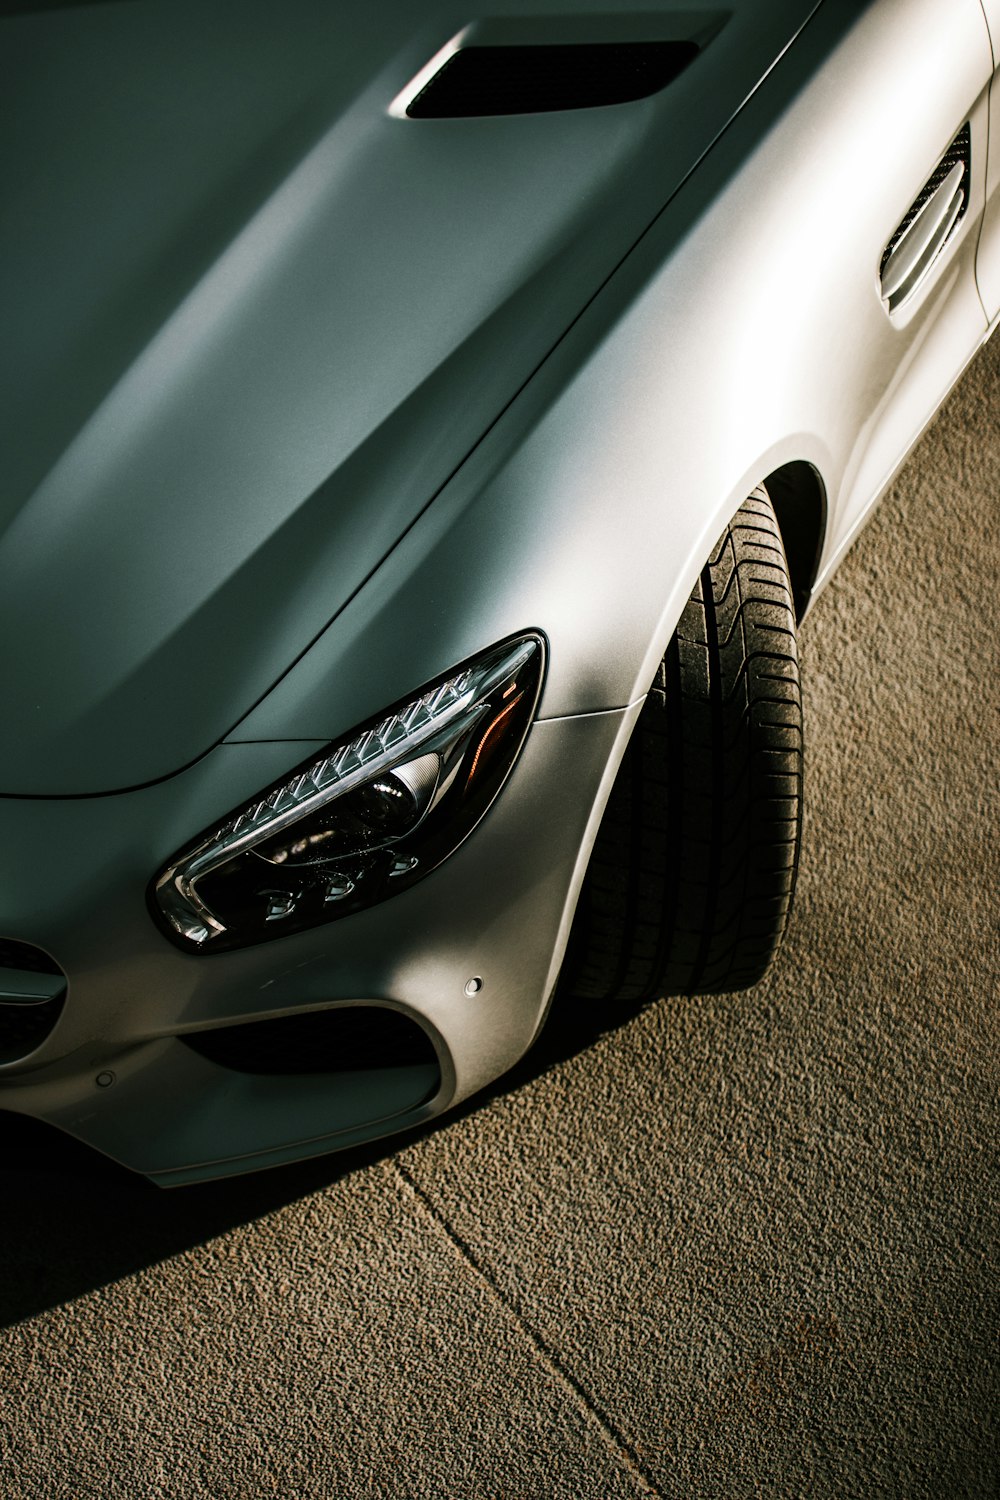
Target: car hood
255 317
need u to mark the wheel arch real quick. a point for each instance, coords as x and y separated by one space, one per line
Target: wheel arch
798 495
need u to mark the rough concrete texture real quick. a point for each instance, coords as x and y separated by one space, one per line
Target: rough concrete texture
736 1247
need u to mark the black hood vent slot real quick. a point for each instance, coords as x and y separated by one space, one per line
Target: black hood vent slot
537 79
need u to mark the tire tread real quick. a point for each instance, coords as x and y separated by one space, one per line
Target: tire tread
692 875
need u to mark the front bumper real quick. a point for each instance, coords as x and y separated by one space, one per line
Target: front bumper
115 1073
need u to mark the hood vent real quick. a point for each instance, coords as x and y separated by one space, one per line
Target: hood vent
537 79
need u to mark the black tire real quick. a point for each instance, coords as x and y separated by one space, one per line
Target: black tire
690 882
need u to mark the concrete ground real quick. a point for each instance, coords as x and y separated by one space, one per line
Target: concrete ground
738 1247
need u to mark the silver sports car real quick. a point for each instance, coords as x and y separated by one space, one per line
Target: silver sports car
423 430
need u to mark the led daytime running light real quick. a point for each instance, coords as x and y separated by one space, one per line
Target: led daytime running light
436 729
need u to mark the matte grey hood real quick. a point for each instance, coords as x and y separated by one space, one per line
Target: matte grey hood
253 319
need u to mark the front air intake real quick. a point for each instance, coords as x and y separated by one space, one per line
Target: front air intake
32 993
345 1039
538 79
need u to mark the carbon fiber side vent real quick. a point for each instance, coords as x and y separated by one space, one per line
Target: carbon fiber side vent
540 78
928 225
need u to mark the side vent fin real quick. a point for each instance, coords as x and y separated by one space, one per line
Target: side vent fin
928 225
520 80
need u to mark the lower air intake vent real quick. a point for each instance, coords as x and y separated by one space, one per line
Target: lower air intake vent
520 80
348 1039
32 993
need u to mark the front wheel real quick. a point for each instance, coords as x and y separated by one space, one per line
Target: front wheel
690 882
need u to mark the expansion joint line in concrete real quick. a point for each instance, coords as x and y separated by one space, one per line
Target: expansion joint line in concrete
614 1439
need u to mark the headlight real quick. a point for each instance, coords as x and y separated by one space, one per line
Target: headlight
365 820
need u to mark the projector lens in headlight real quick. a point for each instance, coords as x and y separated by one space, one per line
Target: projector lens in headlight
371 816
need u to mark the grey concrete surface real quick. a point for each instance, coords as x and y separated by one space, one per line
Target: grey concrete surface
737 1247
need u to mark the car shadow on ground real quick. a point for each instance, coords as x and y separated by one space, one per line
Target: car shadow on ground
74 1221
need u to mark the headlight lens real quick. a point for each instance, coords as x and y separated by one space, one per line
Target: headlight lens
374 814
